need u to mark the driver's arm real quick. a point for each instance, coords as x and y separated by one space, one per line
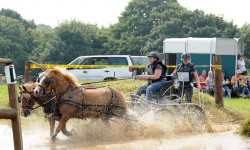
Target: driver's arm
155 76
174 73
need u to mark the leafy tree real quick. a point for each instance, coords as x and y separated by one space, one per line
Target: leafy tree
145 24
43 27
190 24
42 40
14 15
73 39
13 42
244 33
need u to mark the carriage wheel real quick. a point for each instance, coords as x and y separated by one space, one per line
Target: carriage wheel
196 117
166 120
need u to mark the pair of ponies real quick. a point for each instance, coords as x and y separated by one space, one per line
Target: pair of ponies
72 100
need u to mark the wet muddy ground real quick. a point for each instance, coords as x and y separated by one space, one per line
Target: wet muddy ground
147 134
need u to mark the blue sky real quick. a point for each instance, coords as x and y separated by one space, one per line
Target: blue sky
106 12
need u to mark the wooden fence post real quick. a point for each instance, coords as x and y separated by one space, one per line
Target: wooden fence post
218 81
27 72
13 111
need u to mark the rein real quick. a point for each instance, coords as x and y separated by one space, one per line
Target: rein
45 103
70 87
119 79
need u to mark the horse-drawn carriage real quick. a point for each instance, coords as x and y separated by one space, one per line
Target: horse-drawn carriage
76 101
169 103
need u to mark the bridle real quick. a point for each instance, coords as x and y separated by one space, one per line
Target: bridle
47 81
28 101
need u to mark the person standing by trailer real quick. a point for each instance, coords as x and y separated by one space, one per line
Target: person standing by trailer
156 73
188 69
241 64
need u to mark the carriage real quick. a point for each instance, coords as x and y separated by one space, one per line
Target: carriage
170 105
75 101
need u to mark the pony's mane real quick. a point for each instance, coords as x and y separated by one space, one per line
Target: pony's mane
67 75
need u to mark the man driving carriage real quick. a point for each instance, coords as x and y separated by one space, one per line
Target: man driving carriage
156 73
186 72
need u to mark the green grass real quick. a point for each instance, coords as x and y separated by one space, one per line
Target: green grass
125 86
241 105
4 96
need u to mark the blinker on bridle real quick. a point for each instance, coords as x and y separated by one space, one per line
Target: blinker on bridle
28 101
47 82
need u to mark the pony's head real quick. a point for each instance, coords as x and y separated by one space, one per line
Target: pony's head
52 78
26 98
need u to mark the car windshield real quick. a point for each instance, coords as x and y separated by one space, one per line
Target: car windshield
140 61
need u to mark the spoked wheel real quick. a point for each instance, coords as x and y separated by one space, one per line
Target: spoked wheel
195 116
166 120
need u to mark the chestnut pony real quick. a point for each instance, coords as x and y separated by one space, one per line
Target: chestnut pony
28 100
77 102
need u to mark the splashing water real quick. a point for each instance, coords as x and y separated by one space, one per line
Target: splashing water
146 131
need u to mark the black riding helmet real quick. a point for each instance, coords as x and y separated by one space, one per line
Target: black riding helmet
154 54
185 55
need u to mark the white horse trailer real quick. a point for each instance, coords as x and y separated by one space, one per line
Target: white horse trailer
202 51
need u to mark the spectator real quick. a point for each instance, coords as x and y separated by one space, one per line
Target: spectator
225 86
239 84
203 78
241 64
210 83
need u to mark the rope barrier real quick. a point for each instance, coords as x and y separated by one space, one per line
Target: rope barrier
35 66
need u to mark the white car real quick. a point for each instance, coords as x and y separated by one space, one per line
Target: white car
123 66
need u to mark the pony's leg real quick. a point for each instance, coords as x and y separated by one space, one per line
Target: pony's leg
61 125
52 125
65 132
52 120
129 119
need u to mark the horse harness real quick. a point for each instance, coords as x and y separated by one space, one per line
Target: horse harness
84 106
28 101
50 96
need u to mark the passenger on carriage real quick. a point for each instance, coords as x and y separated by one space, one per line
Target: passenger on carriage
156 73
186 73
203 78
239 83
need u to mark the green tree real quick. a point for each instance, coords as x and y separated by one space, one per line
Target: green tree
73 39
14 15
42 40
244 34
145 24
13 42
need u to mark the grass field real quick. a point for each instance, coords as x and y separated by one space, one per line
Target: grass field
130 86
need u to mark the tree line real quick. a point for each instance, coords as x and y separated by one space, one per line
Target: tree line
141 28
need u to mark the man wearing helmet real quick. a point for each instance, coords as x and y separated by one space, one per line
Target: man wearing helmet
156 73
187 68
